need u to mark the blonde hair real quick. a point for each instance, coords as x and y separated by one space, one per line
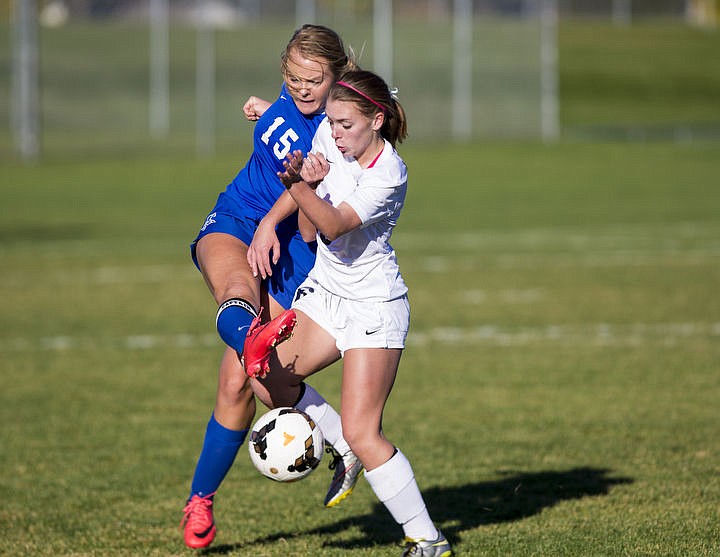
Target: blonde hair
371 95
318 42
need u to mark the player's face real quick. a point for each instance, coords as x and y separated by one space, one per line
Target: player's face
308 81
355 134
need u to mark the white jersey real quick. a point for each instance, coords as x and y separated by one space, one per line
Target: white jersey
361 265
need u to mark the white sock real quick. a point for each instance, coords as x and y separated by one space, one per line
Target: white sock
394 484
325 416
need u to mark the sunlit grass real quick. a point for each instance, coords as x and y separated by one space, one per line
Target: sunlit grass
557 396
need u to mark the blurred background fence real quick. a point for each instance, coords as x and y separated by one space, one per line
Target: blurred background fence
122 77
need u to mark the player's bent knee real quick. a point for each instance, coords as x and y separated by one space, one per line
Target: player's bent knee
359 440
235 388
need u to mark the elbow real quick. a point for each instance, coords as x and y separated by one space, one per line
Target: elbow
308 235
332 229
331 234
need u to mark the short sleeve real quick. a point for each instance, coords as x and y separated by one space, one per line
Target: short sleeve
378 196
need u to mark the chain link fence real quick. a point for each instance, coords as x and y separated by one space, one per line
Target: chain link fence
98 67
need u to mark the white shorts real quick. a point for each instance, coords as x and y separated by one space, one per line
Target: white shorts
352 323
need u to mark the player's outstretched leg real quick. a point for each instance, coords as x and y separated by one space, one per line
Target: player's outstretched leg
262 338
220 447
198 521
346 466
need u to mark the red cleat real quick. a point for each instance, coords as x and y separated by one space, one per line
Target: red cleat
261 339
199 522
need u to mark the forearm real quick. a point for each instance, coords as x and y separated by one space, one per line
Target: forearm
283 208
330 221
307 228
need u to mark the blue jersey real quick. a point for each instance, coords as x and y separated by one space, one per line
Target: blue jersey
256 188
280 130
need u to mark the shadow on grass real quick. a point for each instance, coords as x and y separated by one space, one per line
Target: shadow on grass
37 233
516 496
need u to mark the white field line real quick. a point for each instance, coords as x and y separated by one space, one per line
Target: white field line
465 262
506 296
676 244
624 244
645 237
138 274
599 334
133 342
454 262
620 245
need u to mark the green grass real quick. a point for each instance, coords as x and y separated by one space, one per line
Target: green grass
650 78
558 394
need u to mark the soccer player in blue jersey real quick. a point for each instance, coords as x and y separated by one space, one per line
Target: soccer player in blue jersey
312 61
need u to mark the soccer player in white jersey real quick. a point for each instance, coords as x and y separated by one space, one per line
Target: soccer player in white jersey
353 305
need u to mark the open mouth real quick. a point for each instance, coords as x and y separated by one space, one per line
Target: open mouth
305 103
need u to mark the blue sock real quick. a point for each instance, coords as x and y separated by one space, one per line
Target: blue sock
217 456
233 322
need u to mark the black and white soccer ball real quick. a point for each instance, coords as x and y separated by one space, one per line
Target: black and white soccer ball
286 444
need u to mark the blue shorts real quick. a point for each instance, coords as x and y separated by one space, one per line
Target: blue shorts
297 257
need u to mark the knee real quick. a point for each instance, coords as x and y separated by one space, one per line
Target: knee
358 438
235 388
222 260
275 391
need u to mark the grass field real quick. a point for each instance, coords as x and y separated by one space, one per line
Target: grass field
558 396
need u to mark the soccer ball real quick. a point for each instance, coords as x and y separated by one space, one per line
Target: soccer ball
286 445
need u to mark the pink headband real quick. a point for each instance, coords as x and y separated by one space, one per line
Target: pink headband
359 92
